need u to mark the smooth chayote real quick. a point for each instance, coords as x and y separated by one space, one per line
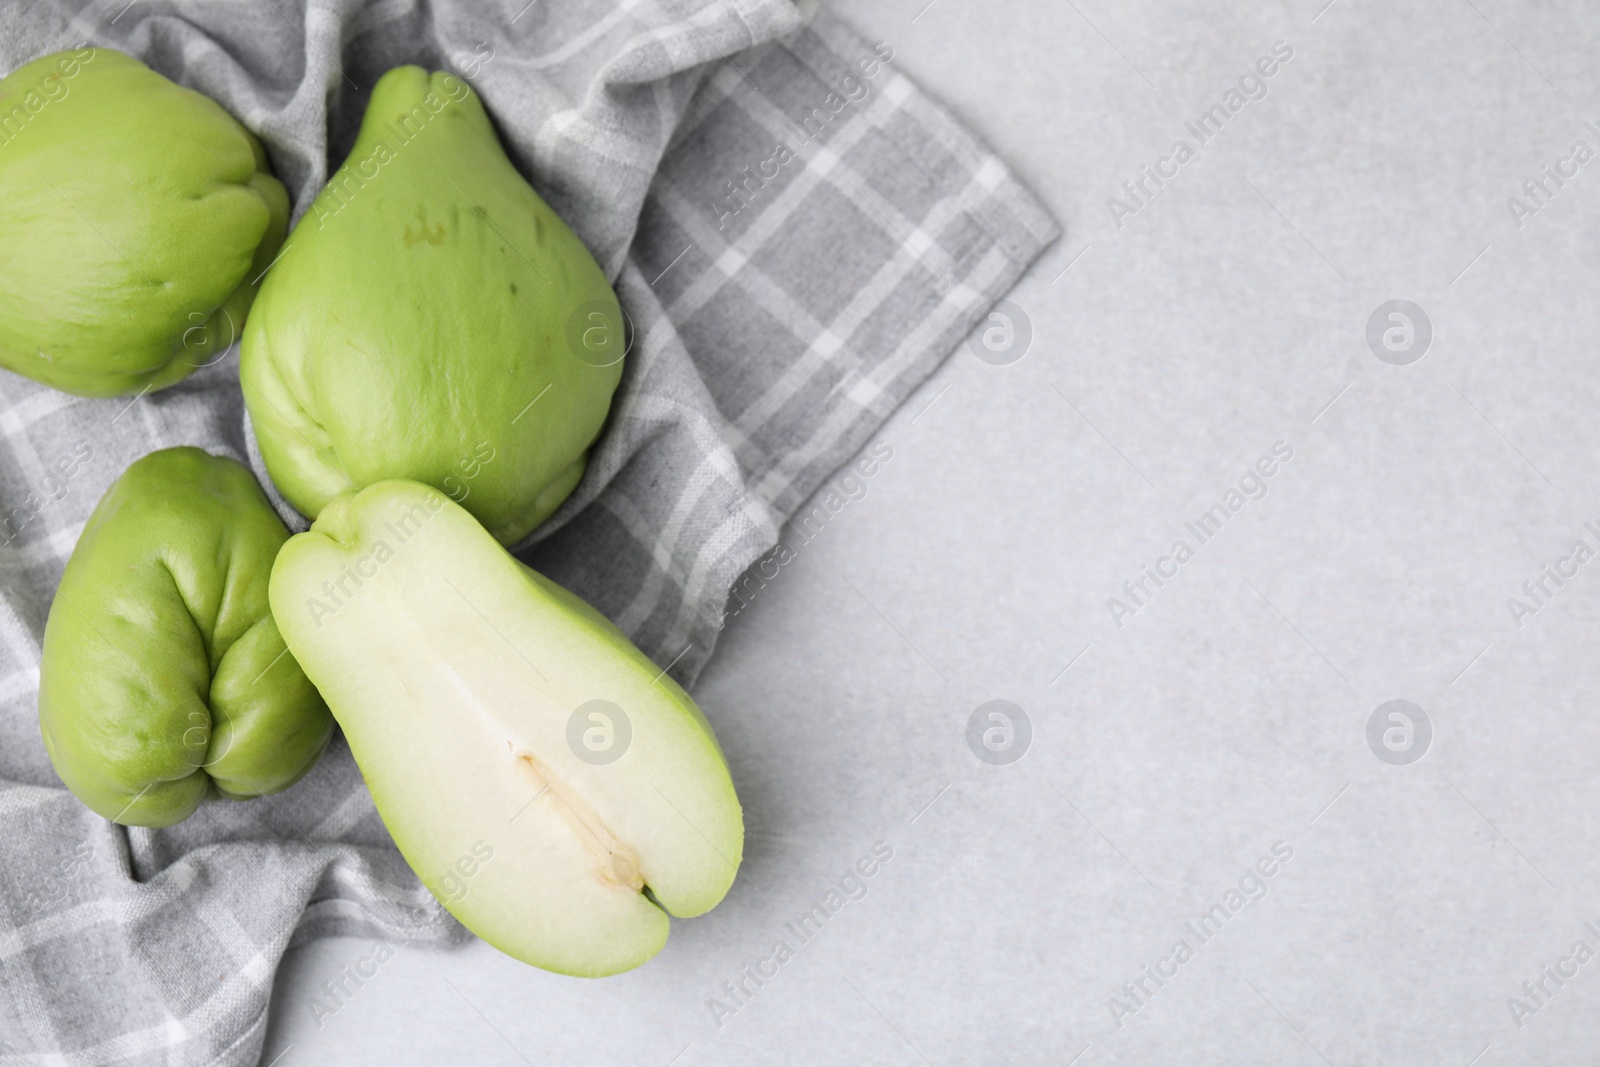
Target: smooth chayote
135 217
432 318
164 677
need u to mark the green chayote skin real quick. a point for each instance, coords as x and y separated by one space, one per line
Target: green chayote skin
164 677
431 318
134 216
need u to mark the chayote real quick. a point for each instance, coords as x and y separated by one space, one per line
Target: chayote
135 216
551 786
164 676
432 319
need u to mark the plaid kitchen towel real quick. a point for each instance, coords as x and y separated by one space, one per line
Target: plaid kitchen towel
798 235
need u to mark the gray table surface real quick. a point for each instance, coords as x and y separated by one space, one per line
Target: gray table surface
1229 713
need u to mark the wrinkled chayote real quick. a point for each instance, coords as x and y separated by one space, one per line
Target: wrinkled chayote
164 677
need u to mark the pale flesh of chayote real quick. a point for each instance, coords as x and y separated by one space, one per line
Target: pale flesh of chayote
481 702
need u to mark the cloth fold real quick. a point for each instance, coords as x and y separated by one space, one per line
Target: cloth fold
798 235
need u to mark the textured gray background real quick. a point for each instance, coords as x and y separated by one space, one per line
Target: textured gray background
1231 710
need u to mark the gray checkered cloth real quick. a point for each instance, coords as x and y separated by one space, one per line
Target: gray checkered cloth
798 243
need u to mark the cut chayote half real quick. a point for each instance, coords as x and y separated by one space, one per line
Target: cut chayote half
549 784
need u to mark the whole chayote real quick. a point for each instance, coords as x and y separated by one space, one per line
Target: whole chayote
135 216
164 677
432 318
